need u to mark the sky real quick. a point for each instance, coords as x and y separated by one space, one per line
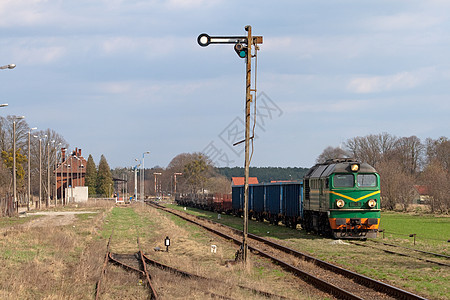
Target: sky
123 77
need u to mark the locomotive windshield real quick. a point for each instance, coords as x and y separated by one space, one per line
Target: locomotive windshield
343 180
366 180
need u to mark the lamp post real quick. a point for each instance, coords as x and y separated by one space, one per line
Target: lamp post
47 203
63 193
140 178
29 167
40 170
56 173
135 181
4 104
143 176
14 163
10 66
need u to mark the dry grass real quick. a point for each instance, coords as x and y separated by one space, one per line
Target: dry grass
64 262
52 262
190 251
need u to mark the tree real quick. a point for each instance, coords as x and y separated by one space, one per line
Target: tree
105 184
438 150
409 152
396 185
219 184
8 160
371 149
91 176
196 172
437 179
330 153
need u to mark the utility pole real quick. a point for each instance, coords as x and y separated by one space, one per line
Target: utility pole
175 182
29 167
243 47
156 185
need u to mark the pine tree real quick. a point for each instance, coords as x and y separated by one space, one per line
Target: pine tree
91 176
105 184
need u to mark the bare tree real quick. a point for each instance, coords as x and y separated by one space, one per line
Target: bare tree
396 185
371 148
219 184
409 152
438 150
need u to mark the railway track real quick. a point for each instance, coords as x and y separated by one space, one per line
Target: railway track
130 262
341 283
141 264
407 252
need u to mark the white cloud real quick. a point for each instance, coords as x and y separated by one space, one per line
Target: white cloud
400 81
192 4
37 54
326 106
405 21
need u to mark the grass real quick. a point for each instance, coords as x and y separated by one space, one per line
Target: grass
419 277
189 251
429 229
49 262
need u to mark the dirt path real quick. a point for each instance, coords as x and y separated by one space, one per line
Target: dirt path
56 218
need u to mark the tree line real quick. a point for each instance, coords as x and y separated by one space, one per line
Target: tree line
402 162
39 148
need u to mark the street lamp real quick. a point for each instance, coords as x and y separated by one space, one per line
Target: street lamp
40 169
10 66
143 176
3 105
29 167
56 173
48 173
14 162
135 181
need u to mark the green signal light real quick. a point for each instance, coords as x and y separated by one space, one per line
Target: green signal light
241 50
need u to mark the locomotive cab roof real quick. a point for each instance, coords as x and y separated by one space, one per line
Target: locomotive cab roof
338 165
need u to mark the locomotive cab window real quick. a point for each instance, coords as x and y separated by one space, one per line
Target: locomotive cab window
343 180
367 180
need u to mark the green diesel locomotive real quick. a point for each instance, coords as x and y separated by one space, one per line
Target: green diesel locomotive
341 197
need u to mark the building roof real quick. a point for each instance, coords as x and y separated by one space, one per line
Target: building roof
240 180
422 189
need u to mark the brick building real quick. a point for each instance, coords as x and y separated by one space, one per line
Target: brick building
71 171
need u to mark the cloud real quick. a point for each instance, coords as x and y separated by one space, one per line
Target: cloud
400 81
405 21
192 4
37 52
328 106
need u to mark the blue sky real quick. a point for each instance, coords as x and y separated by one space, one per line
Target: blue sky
119 78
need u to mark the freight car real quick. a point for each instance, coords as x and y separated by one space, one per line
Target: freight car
340 197
274 202
213 202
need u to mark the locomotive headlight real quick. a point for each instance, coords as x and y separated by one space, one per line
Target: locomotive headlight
354 167
372 203
340 203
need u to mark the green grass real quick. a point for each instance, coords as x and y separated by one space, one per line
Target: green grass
8 222
428 228
419 277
